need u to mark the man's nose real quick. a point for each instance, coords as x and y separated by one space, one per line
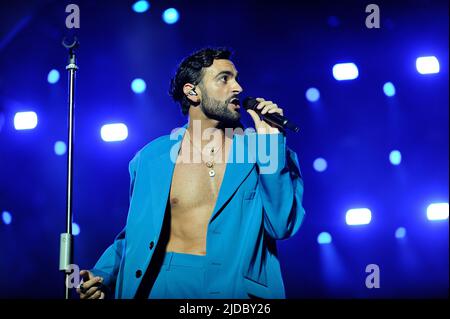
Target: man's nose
238 89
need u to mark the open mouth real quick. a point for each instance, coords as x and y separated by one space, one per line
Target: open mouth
236 103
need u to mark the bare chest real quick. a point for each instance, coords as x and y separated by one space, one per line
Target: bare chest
193 187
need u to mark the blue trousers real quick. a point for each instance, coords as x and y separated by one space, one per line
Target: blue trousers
182 276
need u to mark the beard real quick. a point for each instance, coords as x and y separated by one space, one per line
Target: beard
219 111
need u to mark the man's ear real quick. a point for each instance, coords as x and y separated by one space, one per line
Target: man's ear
190 92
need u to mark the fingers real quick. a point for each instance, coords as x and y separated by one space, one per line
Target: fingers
98 295
268 107
91 292
86 274
276 110
95 295
264 107
90 285
254 116
91 282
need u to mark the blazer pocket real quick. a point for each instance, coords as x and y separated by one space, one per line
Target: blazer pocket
256 289
249 194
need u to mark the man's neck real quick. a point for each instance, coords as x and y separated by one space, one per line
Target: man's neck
206 131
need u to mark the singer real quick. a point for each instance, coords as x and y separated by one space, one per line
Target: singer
205 228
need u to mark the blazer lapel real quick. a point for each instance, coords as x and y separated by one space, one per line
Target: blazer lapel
239 164
163 167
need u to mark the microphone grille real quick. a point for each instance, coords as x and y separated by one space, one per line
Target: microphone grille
250 103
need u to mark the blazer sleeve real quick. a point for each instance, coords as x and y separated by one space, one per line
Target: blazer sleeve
108 264
281 187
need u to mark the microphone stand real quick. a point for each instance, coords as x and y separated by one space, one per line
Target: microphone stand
66 247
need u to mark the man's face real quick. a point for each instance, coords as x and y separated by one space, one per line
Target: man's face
219 92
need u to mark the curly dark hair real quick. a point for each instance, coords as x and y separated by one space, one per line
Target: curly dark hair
190 70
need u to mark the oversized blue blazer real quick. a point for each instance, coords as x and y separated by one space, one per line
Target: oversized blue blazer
252 211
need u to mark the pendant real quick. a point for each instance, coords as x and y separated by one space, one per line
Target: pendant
209 164
212 173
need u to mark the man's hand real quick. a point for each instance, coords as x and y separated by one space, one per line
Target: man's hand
91 286
263 127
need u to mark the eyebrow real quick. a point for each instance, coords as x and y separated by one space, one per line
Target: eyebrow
227 73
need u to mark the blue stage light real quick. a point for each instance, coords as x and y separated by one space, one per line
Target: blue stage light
7 218
427 65
114 132
53 76
395 157
358 216
324 238
400 233
60 148
138 86
75 229
141 6
170 16
320 164
345 71
312 94
437 211
389 89
25 120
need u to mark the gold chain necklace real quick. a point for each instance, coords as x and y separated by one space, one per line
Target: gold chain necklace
210 164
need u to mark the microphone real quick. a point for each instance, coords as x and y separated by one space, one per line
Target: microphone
250 103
